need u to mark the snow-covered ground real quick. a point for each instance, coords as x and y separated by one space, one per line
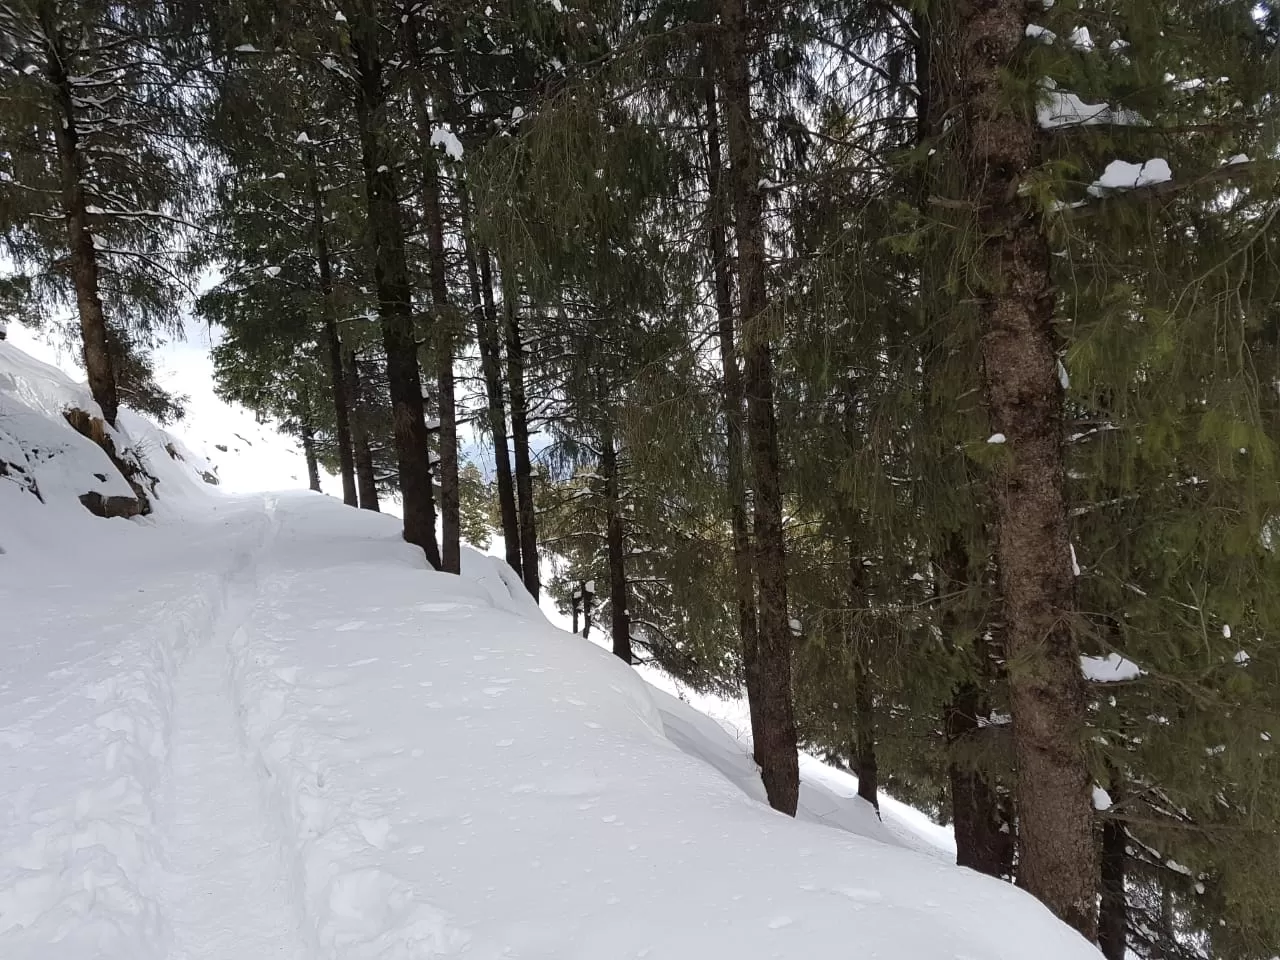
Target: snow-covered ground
260 727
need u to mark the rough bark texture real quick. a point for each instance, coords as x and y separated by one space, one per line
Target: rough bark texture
83 257
309 452
615 543
1057 859
731 403
975 805
391 280
366 479
333 345
520 436
775 740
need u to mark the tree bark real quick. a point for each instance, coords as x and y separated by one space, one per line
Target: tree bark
391 280
309 452
366 479
433 220
520 436
615 543
731 404
480 276
1011 280
333 344
588 601
83 256
1113 913
775 740
866 767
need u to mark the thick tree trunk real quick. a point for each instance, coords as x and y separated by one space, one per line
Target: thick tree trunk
333 344
775 740
83 256
366 479
520 436
1113 913
983 839
1057 859
485 314
731 404
309 452
433 220
391 280
615 543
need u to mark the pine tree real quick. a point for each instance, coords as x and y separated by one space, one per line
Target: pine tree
94 192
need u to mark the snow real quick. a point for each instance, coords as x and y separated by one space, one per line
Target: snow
444 137
1101 799
1061 108
1122 175
996 438
260 726
1112 668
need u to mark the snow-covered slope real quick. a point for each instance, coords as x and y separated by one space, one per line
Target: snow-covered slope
260 727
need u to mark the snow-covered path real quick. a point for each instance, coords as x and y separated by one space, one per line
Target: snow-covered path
226 892
267 731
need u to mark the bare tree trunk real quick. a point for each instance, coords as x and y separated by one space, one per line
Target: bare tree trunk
480 275
775 740
615 543
333 344
866 766
588 601
731 405
1057 859
309 452
575 602
433 220
83 256
520 436
366 479
391 280
1113 913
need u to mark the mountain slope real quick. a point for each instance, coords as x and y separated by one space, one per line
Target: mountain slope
261 727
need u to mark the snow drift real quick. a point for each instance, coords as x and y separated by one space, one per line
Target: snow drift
262 727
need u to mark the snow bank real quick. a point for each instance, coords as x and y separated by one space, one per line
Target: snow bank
449 777
51 466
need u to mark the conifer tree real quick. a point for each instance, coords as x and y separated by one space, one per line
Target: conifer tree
95 186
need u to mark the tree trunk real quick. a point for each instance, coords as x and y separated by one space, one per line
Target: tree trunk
775 740
983 839
309 451
480 275
1057 860
520 436
866 767
83 256
1113 914
391 280
366 479
588 600
731 405
433 219
333 343
615 542
575 602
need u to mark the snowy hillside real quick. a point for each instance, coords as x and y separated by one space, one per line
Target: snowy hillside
259 726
